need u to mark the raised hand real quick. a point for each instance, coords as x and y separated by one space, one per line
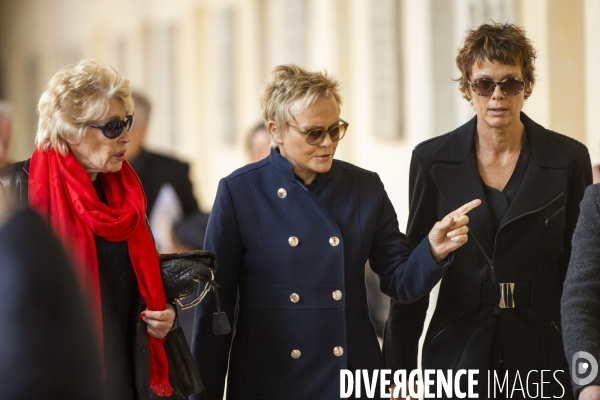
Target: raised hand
450 233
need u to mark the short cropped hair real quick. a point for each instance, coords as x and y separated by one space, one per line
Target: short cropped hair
503 43
289 83
143 107
76 96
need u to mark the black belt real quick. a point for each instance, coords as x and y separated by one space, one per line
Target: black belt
506 294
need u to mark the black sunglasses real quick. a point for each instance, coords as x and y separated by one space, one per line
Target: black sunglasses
509 86
113 129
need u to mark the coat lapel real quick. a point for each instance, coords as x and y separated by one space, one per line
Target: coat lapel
459 182
539 187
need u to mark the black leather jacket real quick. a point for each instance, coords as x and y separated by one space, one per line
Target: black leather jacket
14 181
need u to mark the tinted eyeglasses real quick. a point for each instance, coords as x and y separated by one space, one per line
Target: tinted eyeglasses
113 129
509 86
316 136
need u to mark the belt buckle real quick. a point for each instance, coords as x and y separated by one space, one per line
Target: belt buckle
507 290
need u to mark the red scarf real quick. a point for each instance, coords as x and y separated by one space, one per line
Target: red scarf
61 190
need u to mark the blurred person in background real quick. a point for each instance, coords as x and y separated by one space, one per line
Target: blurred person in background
78 179
258 143
596 173
47 340
498 308
175 220
292 233
5 133
168 188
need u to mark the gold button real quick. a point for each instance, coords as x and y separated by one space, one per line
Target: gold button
294 297
334 241
337 295
282 193
293 241
338 351
296 354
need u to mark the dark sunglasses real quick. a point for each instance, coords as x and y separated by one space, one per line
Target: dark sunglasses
509 86
113 129
316 136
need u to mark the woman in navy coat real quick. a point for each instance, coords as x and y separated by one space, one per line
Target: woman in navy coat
292 234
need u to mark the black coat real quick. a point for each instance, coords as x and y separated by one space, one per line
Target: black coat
47 345
531 248
156 170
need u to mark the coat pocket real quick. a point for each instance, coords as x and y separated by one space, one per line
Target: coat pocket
553 214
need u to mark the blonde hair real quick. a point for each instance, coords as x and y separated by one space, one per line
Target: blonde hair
504 43
76 96
289 83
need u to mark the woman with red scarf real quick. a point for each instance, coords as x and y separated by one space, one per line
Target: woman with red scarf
78 179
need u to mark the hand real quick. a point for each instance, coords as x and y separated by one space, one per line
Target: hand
591 392
159 322
450 233
400 392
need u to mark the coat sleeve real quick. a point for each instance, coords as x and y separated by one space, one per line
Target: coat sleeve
211 351
406 274
580 306
405 321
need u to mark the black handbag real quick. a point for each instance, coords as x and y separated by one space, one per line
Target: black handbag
181 273
183 372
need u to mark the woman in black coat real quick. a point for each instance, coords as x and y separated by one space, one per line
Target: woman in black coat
498 308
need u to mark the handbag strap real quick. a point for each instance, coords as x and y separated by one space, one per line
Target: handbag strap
215 285
220 324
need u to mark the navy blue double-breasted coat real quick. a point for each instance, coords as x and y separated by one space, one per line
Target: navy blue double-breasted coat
296 255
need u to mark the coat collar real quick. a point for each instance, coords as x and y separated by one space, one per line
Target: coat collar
281 164
458 180
460 143
285 168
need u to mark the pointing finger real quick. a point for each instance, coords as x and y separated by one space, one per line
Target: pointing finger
467 207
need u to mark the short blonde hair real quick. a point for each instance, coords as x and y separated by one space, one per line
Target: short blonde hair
76 96
289 83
